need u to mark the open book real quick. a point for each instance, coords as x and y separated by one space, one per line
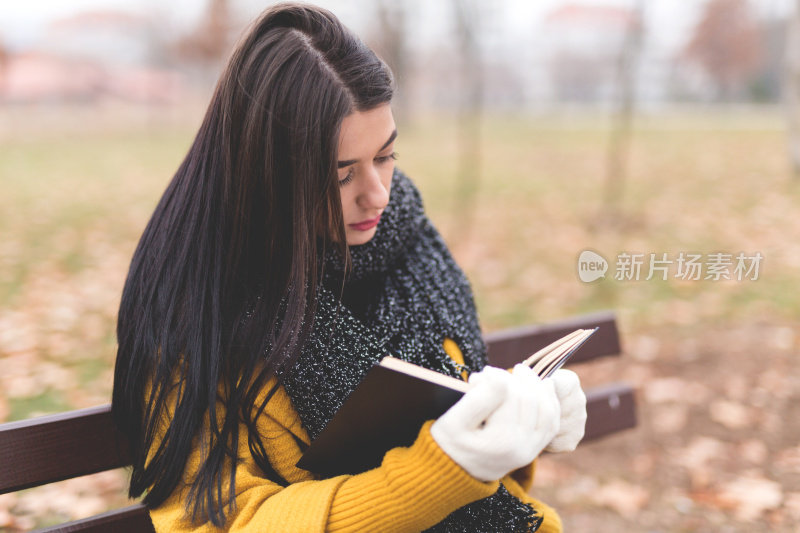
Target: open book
395 398
554 355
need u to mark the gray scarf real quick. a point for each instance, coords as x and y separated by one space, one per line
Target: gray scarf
404 296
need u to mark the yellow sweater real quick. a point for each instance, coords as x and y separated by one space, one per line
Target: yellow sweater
413 489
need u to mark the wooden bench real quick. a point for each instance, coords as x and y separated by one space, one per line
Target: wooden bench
53 448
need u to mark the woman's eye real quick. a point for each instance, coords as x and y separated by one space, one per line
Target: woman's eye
348 178
380 160
386 158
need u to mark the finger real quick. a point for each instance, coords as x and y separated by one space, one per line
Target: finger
528 392
549 408
527 386
574 403
565 382
523 371
570 434
487 393
563 444
576 419
490 372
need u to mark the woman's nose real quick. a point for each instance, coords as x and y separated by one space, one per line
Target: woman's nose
375 194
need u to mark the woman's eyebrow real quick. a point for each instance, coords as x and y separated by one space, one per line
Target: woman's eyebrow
348 162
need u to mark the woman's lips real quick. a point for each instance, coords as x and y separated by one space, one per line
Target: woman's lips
367 224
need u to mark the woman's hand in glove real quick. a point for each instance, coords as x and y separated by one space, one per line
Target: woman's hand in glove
573 411
502 423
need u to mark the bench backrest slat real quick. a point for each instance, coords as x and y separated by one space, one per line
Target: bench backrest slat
86 442
509 347
57 447
609 409
67 445
133 519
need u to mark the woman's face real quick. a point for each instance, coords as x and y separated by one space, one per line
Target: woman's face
366 163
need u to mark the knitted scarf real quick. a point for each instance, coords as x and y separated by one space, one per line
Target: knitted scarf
404 295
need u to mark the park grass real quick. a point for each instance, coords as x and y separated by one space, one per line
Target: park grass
74 206
714 185
75 203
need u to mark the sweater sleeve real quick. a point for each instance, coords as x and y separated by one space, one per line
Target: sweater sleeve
551 522
413 489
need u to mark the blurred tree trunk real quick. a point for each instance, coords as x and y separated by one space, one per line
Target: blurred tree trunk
619 141
391 45
469 119
208 44
791 88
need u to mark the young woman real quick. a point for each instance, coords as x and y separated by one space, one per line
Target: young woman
285 258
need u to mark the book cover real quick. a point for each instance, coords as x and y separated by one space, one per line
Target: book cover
395 398
386 410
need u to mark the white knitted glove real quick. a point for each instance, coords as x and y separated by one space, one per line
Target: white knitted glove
502 423
573 411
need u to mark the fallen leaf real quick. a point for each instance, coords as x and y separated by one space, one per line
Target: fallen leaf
777 382
578 490
23 387
754 451
56 376
732 415
782 338
791 502
750 497
670 418
6 518
672 389
699 453
665 390
87 505
644 348
789 459
4 410
737 388
625 498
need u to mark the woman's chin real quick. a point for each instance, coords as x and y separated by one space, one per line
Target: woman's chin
356 238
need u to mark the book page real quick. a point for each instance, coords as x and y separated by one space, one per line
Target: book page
556 346
424 373
553 361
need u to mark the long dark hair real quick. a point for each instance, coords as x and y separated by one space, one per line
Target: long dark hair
220 293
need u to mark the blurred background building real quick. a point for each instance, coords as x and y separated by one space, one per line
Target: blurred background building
531 55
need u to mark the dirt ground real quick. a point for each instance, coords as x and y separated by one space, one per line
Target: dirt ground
717 447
